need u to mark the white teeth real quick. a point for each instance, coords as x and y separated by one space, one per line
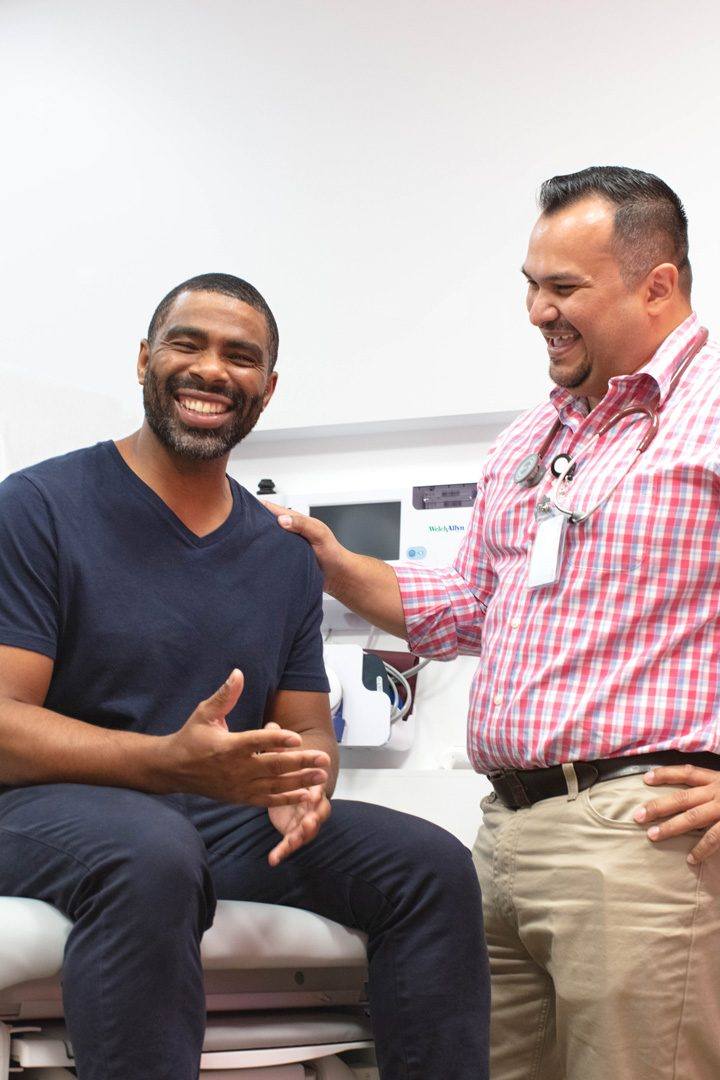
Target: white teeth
195 405
561 339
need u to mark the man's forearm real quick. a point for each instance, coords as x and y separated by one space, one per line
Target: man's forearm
370 588
39 746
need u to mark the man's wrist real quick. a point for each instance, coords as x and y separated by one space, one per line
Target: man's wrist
154 762
339 576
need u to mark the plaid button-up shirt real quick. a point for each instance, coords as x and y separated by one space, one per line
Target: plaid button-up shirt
621 654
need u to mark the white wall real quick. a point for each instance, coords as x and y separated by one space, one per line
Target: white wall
371 166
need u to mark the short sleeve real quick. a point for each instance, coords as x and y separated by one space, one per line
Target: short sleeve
29 610
305 669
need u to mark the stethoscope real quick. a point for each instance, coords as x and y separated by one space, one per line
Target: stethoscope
532 469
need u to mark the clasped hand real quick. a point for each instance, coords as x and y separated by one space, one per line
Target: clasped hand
267 767
695 806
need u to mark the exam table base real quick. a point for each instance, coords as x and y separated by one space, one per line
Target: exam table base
281 1045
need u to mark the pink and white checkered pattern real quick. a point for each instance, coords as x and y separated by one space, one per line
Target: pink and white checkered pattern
621 655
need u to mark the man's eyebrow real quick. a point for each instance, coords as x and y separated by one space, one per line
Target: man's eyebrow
239 345
557 279
185 331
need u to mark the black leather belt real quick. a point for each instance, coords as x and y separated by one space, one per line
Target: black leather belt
522 787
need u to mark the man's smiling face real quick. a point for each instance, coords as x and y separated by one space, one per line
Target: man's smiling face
593 322
206 375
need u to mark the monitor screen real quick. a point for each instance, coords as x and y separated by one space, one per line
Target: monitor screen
367 528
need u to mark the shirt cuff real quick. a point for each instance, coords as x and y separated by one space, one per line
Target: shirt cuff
428 609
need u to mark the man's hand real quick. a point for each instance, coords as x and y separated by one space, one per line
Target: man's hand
365 585
329 552
298 824
696 806
267 767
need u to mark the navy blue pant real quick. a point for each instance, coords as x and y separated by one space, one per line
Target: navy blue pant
138 876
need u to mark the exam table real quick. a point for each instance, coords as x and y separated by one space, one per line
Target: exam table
285 994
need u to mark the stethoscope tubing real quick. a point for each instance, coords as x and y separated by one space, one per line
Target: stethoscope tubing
565 473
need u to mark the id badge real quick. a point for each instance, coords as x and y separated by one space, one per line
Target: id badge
547 550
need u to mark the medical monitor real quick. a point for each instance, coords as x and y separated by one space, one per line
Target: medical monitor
369 528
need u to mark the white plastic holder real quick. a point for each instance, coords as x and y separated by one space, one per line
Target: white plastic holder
366 712
402 735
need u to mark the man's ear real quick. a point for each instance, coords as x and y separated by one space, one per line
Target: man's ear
661 286
270 388
143 360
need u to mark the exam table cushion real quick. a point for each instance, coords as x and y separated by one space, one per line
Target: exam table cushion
245 935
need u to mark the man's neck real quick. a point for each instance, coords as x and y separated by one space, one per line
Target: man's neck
198 492
662 331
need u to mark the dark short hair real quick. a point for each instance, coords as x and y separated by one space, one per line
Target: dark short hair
228 286
650 221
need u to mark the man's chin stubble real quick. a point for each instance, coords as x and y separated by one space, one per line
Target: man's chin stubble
200 445
572 380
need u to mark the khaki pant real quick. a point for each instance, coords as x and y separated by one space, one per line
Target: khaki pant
604 947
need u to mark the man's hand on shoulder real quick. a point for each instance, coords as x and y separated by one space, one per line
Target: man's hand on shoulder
329 552
267 767
365 584
695 806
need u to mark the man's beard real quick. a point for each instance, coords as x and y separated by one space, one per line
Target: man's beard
201 444
570 380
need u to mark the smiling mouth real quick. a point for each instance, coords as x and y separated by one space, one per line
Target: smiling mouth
199 405
559 344
200 412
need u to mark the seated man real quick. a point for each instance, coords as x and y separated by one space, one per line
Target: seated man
136 578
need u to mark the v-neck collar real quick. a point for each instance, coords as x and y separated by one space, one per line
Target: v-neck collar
150 496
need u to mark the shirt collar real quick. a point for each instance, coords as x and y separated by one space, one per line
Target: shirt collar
660 368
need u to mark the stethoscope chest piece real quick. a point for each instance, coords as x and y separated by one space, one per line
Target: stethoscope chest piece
530 471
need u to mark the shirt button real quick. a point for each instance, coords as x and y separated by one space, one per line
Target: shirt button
498 699
515 624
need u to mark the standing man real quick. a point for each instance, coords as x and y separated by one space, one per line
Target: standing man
589 586
133 577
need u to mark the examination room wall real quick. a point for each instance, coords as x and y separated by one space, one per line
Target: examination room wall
372 168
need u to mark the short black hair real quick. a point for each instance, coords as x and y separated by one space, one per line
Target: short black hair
228 285
650 221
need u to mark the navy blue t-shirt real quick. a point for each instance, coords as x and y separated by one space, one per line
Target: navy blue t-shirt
142 617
